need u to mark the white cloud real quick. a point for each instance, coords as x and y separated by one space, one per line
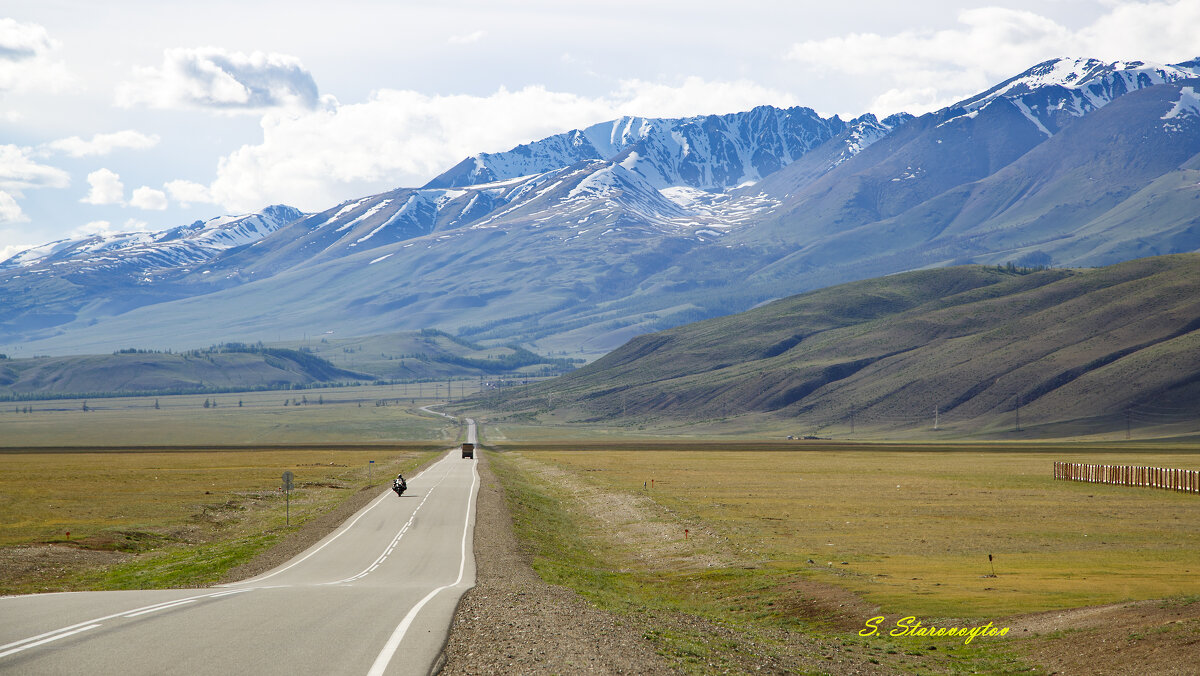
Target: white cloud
694 96
188 193
103 144
105 228
406 137
26 58
467 39
148 198
93 228
7 251
19 172
212 78
926 70
399 137
106 188
10 212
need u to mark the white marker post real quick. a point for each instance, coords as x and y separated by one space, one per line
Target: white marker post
287 493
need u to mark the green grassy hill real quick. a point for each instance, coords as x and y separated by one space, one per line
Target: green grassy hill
1076 351
407 356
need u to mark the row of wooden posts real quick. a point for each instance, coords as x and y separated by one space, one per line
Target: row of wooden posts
1185 480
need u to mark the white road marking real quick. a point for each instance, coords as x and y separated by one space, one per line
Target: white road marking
393 643
76 628
47 640
162 607
396 540
341 531
383 658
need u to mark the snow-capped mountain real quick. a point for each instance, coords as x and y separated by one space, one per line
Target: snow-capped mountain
184 245
586 238
1054 92
709 152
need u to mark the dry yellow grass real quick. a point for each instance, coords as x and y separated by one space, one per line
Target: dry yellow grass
176 495
911 530
348 415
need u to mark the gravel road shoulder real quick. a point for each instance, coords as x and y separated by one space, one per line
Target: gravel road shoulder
514 623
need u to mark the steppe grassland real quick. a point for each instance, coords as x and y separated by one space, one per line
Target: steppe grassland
187 516
348 414
174 494
910 528
111 477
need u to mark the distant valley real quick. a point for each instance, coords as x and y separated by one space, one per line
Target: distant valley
325 361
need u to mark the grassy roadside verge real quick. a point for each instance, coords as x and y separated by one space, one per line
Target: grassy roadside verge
156 519
705 604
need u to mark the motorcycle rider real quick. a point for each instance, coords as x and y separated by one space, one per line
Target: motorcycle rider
399 484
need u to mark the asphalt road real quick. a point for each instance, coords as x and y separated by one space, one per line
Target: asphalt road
374 597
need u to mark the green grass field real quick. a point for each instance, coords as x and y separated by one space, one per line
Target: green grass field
187 516
186 492
346 415
911 530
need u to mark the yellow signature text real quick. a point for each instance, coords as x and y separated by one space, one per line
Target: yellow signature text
911 626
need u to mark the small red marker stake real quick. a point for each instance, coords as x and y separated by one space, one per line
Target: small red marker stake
68 535
685 533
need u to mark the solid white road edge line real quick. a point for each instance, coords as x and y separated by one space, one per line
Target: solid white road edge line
341 531
393 643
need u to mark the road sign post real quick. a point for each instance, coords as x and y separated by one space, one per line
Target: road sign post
370 466
287 493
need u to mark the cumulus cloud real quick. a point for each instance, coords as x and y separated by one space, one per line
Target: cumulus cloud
188 193
20 172
106 228
27 58
93 228
926 70
694 96
106 188
400 137
148 198
212 78
406 137
7 251
103 144
10 211
467 39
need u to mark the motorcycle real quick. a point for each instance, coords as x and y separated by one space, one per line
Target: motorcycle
399 485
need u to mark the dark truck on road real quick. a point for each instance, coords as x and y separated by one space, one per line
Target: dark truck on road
468 450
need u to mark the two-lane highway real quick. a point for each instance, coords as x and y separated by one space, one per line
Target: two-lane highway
376 596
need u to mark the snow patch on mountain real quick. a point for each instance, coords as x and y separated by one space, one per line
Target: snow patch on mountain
862 132
1188 104
711 152
183 245
360 218
1053 92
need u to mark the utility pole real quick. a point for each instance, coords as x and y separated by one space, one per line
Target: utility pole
851 420
935 418
1127 423
1018 412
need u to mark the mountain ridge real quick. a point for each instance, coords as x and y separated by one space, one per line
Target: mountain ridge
590 253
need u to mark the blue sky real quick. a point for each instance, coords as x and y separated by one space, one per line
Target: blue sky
145 115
